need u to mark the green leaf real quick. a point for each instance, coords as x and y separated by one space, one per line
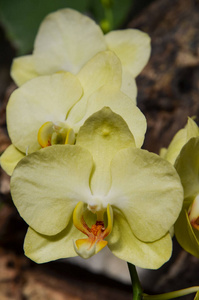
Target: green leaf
22 18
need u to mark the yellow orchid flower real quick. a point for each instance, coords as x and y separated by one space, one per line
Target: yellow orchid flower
183 154
187 225
67 40
50 109
101 191
180 139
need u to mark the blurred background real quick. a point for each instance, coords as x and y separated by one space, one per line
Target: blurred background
168 92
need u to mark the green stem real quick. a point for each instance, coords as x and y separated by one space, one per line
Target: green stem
109 17
107 22
171 295
137 289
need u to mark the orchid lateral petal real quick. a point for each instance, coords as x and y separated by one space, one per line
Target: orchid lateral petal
10 158
23 69
186 235
180 139
40 100
66 40
144 186
124 244
44 186
132 47
187 166
103 69
129 86
103 135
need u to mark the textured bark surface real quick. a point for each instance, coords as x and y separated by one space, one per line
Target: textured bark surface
168 93
168 88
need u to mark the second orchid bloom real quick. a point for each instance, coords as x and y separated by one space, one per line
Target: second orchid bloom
50 109
183 153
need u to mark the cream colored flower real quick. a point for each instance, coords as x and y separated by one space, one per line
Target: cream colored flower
101 191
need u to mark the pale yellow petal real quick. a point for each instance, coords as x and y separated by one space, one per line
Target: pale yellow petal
10 158
43 248
144 187
23 69
129 86
103 69
66 40
180 139
47 184
132 46
186 235
124 244
104 134
187 166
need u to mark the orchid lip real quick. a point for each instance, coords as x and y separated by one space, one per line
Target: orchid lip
96 233
55 133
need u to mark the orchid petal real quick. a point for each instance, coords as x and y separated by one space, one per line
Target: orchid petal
103 68
180 139
10 158
186 235
42 99
47 185
124 244
43 248
129 86
144 186
132 47
187 166
23 69
104 134
119 104
66 41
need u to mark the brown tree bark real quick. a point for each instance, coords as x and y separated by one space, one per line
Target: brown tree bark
168 88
